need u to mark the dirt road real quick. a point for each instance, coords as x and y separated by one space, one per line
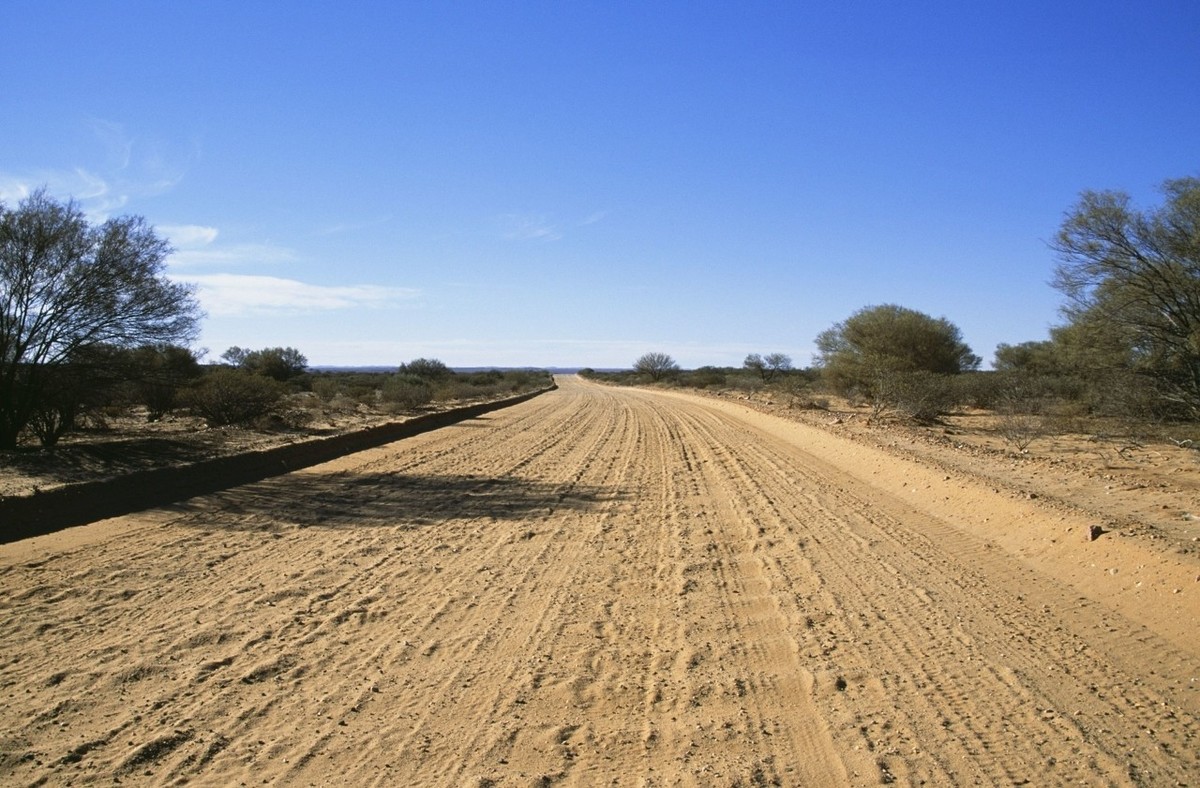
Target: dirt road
598 587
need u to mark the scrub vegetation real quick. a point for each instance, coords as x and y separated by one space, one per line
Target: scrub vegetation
1126 358
90 327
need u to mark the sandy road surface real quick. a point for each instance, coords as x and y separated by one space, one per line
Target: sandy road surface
596 587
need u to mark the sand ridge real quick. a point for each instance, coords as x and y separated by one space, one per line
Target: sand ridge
595 587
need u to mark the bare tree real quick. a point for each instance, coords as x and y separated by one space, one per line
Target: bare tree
67 287
656 365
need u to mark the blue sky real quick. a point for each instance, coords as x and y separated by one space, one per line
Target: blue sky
570 183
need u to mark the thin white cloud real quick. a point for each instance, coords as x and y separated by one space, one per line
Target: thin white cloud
239 294
594 217
528 227
196 247
13 190
90 190
188 236
230 254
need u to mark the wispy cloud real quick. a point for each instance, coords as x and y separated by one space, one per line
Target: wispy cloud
92 191
239 294
527 227
129 169
13 189
539 227
196 247
230 255
188 236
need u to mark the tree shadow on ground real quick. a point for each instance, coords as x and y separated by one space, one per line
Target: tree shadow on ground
357 500
88 461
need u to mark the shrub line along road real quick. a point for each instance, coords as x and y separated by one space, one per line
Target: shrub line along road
599 586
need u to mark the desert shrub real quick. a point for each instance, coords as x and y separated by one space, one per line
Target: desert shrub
361 387
745 382
295 414
1127 394
1020 400
1104 393
159 398
75 394
430 369
230 396
617 377
158 373
343 404
517 380
887 340
799 391
458 389
704 377
326 387
1019 430
278 363
406 392
53 418
487 377
364 393
978 389
921 396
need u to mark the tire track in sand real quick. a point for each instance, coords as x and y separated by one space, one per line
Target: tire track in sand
599 586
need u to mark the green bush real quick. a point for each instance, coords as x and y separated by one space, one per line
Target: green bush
459 390
877 342
230 396
704 377
58 410
279 363
326 387
406 392
921 396
430 369
158 373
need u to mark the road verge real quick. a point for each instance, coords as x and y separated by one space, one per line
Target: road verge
22 517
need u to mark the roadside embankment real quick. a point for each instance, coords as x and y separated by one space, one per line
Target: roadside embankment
22 517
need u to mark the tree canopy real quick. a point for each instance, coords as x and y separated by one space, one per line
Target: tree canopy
430 369
1136 275
67 288
890 339
277 363
768 367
